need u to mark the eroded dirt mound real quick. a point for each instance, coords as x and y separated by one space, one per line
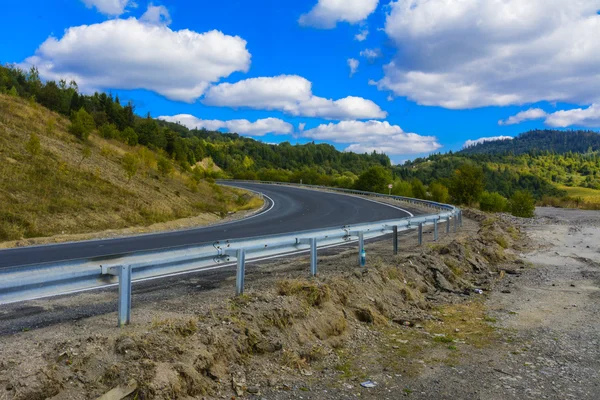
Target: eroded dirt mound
291 330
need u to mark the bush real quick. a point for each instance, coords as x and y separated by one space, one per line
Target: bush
467 184
82 124
439 193
418 189
131 164
33 145
522 204
402 188
375 179
164 166
492 202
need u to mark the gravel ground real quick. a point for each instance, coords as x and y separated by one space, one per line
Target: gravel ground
545 344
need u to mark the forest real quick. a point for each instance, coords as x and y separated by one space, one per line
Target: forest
544 163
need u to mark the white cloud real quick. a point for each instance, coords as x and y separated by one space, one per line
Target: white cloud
242 126
327 13
371 54
367 136
589 117
301 126
528 115
462 54
110 7
353 64
131 54
157 15
470 143
362 35
291 94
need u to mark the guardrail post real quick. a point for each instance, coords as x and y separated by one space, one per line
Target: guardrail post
435 230
420 234
241 272
313 256
455 223
395 239
124 274
460 218
362 259
447 225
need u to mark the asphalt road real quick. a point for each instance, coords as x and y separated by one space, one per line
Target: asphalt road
289 210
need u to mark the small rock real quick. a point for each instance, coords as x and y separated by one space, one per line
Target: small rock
253 390
506 291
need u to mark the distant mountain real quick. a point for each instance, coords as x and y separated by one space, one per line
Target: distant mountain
538 141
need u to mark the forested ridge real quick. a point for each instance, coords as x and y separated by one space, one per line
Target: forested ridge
543 163
238 156
540 142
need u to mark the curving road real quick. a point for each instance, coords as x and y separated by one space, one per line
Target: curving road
289 209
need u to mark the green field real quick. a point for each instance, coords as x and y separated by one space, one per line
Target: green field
588 195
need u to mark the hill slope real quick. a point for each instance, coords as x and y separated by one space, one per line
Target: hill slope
63 185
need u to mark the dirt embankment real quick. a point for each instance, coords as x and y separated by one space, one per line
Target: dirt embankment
288 335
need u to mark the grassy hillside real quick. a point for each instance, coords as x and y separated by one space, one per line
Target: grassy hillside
53 183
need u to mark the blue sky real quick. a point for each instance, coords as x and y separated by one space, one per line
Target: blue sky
440 72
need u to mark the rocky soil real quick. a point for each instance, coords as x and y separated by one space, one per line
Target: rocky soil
499 310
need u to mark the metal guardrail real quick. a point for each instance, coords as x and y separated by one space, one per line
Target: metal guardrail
32 282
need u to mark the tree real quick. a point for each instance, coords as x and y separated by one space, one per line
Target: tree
375 179
402 188
82 124
492 202
439 193
418 189
131 164
522 204
467 184
33 145
129 136
164 166
108 131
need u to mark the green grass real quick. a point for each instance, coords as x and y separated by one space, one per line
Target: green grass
590 195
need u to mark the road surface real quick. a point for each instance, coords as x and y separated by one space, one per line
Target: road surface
289 209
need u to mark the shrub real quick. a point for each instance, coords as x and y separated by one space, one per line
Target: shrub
375 179
164 166
492 202
82 124
467 184
418 189
33 145
522 204
108 131
439 192
402 188
131 163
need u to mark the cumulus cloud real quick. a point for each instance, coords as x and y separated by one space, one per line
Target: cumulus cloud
528 115
291 94
362 35
260 127
371 54
132 54
327 13
353 64
369 136
470 143
157 15
462 54
110 7
589 117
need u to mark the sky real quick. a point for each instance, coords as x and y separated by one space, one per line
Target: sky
404 77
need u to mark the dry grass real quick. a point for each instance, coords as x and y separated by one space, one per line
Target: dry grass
60 190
